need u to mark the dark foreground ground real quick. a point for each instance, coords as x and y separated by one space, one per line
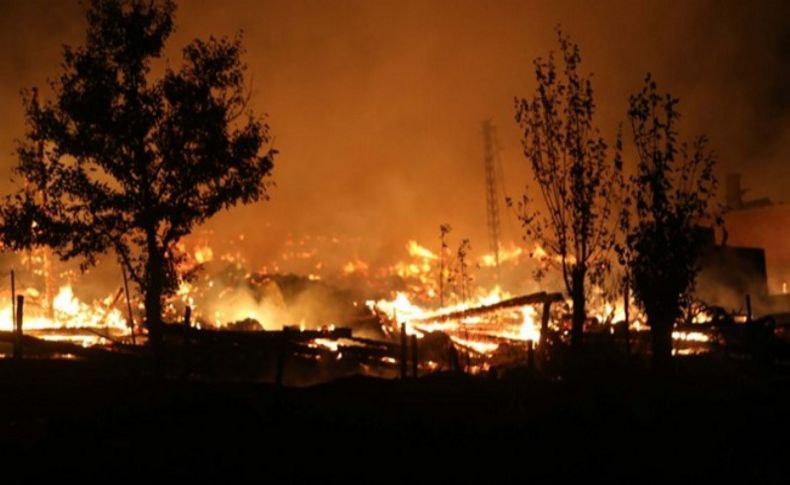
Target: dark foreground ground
715 420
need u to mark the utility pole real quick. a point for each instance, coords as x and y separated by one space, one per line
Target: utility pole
492 201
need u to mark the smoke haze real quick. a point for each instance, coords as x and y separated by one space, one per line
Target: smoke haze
376 107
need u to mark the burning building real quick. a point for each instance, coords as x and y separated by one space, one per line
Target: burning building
729 273
752 257
761 223
764 224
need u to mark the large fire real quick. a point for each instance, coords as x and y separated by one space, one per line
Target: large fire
412 290
516 324
86 324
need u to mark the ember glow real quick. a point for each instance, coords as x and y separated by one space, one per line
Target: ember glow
690 336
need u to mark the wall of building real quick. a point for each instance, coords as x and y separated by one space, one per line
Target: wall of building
768 228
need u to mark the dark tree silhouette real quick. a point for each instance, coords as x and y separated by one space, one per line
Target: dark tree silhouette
444 230
464 274
578 181
670 197
122 162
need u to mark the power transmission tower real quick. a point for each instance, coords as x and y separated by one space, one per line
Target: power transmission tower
492 201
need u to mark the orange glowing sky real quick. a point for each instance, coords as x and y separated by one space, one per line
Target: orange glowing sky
376 106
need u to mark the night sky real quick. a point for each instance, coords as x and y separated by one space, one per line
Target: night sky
376 106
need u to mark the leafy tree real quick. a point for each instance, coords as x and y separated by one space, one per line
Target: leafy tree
669 198
122 161
578 181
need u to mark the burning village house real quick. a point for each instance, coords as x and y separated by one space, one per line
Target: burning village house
742 275
255 323
761 223
278 327
420 315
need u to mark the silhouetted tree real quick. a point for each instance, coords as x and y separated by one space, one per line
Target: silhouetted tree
444 230
669 198
577 180
125 162
464 275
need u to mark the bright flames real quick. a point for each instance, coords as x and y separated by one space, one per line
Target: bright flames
416 306
481 333
69 313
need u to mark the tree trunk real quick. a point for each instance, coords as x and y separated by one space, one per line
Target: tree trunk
579 310
661 342
153 322
154 279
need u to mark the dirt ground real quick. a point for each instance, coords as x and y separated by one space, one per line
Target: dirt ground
714 419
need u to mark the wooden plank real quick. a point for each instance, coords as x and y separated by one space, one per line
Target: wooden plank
18 344
532 299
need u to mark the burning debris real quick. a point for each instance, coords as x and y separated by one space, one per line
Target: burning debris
330 327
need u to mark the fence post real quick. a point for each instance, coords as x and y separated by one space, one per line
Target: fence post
415 357
530 357
13 300
128 304
18 347
627 300
404 351
544 331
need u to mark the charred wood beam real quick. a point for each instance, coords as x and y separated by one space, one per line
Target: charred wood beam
294 333
532 299
468 348
392 348
360 353
38 346
105 336
245 336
